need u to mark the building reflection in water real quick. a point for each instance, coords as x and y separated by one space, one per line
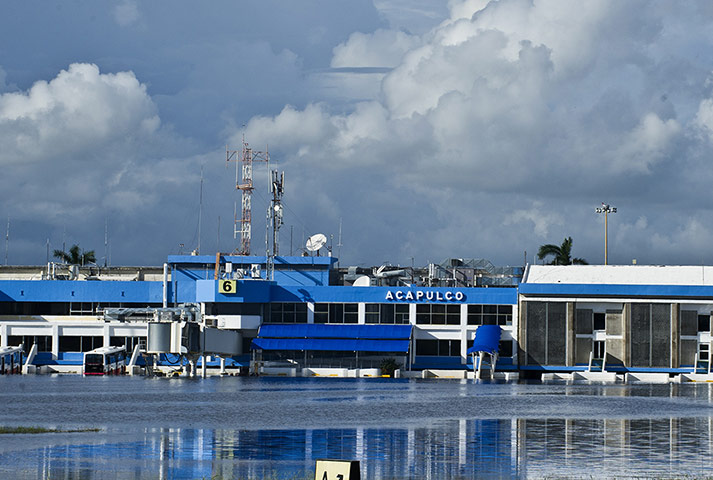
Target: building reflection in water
494 448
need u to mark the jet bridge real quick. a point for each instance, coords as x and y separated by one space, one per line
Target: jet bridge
179 330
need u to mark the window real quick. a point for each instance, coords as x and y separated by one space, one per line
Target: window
505 348
336 312
401 314
287 313
489 314
598 349
437 314
128 342
321 312
390 313
372 313
426 347
704 323
440 348
600 321
34 308
44 343
80 344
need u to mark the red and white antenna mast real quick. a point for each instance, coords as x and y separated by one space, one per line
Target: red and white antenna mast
244 183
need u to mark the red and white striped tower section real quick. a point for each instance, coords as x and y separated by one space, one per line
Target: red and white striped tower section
244 183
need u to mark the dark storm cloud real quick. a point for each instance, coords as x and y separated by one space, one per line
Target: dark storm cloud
483 132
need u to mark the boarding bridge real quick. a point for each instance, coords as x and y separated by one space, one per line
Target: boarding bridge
178 330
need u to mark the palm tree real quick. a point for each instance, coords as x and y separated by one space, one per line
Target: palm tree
562 254
76 256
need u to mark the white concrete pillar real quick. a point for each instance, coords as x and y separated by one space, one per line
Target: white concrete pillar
310 312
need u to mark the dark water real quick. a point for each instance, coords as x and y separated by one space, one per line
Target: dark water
249 428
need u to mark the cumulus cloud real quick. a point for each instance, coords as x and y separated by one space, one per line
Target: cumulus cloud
549 104
87 147
80 108
383 48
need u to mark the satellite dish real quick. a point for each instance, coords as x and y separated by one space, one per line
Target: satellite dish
315 242
362 281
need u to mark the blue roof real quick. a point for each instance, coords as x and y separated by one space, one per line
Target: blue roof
335 338
331 345
487 339
317 330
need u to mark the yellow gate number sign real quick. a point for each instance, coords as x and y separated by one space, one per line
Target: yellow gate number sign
337 470
227 286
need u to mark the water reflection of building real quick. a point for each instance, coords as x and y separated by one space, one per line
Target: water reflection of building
490 448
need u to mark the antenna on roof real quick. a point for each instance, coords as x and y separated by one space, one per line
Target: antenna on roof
106 241
339 242
7 238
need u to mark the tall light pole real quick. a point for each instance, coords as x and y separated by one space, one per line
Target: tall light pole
606 210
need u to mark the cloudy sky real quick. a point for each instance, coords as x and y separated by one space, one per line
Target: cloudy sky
430 129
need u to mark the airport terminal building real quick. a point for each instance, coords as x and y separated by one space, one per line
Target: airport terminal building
304 312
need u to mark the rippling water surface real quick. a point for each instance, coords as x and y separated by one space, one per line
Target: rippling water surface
252 428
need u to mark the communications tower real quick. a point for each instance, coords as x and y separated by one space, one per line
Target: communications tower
244 183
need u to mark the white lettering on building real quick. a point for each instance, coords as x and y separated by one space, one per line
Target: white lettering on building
428 296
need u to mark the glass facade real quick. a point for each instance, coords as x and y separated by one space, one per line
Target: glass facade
43 342
441 348
437 314
389 313
287 313
489 314
336 312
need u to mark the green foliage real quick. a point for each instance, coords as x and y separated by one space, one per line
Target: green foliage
388 366
76 256
17 430
562 253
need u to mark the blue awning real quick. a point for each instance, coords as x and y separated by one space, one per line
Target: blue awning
330 345
487 339
319 330
335 338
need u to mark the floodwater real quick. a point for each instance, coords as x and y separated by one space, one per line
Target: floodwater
254 428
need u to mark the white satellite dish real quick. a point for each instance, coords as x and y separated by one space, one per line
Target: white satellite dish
362 281
315 242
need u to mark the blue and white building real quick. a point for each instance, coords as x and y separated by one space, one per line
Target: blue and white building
62 312
616 319
563 319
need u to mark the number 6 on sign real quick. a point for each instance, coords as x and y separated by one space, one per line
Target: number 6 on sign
337 470
227 286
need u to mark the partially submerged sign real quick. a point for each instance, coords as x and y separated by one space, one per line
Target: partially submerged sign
337 470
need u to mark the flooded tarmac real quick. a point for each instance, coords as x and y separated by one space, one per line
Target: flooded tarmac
247 428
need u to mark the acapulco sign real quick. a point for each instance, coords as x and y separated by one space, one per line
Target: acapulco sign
425 296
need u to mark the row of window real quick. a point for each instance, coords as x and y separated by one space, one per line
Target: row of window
691 322
74 343
390 313
64 308
442 348
451 348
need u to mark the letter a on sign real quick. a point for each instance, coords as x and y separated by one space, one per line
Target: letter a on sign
337 470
